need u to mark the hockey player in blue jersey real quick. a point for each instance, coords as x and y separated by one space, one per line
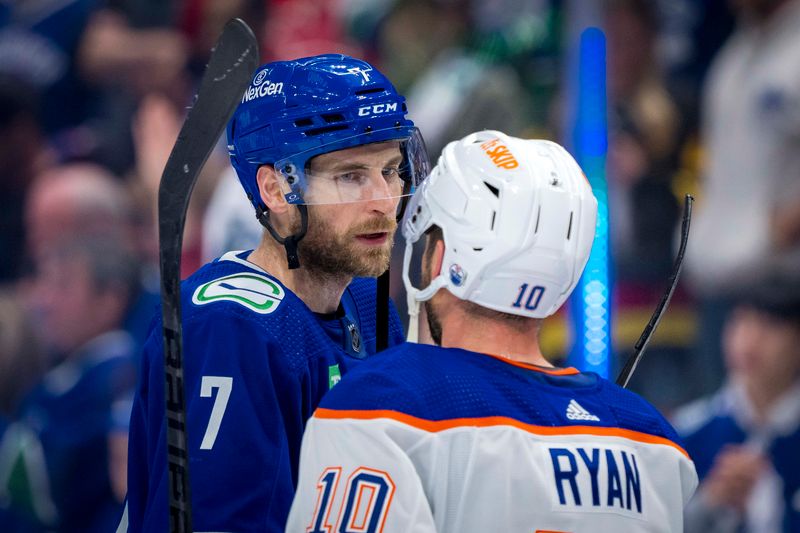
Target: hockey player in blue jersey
482 433
325 153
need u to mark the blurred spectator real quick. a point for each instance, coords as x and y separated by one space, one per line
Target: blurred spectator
156 126
302 28
118 445
643 125
81 291
83 201
22 156
22 365
90 65
22 361
39 44
744 439
691 34
77 199
461 80
748 216
228 222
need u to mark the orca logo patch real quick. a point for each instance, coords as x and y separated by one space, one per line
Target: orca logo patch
257 293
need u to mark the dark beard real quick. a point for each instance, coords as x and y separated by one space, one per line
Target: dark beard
434 324
329 254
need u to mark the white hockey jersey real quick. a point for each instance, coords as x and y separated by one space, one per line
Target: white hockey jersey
427 439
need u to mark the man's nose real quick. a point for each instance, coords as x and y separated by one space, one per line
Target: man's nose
381 196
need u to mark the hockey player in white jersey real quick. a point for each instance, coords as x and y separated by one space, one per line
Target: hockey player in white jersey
482 433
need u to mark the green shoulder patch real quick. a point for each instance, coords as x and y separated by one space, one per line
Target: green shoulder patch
257 293
334 375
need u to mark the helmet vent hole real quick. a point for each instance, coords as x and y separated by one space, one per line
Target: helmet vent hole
538 215
372 90
478 249
569 228
302 122
333 117
494 215
325 129
492 188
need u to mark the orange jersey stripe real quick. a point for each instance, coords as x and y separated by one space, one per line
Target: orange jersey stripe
569 371
434 426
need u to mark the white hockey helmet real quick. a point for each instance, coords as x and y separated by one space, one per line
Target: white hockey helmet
518 218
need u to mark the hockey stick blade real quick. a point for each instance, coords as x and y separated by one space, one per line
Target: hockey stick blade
232 62
641 345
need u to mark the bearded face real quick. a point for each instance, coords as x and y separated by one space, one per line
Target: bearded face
361 249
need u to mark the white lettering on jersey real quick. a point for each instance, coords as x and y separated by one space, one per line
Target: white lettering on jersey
601 478
224 385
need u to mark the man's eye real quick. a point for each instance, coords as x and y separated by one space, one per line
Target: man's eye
390 172
354 178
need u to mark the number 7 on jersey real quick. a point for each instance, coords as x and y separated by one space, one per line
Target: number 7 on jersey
224 385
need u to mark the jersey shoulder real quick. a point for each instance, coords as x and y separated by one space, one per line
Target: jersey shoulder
435 384
233 284
233 307
632 412
390 380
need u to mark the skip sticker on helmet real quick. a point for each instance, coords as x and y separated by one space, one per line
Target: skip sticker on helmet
499 153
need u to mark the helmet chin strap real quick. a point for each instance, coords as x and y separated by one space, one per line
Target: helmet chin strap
414 296
290 242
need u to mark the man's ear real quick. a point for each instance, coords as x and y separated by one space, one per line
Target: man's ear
269 187
437 258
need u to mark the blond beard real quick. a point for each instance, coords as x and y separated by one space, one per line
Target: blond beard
325 252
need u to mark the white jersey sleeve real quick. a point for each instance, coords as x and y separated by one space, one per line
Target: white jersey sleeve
340 490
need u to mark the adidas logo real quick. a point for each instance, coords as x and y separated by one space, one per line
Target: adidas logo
576 412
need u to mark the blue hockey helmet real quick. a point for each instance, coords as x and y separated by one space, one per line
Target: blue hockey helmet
296 110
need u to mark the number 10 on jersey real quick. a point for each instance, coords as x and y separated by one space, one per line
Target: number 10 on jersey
367 497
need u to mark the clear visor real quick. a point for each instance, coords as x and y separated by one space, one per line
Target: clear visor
375 167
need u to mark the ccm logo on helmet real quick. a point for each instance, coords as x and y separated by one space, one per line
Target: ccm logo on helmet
266 88
377 109
499 154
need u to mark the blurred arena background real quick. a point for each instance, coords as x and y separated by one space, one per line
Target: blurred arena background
93 92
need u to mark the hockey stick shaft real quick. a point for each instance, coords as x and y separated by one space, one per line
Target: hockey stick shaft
227 74
641 345
382 312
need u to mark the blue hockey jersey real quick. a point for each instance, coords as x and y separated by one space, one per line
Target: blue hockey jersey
54 459
257 362
430 439
710 425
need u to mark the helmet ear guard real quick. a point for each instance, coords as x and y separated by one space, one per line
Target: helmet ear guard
518 219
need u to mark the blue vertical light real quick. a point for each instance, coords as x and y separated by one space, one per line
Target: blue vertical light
590 303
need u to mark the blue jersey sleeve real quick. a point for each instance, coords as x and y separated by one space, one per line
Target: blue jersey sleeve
246 411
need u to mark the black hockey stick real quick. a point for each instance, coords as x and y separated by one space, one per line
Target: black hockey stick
641 345
232 62
382 313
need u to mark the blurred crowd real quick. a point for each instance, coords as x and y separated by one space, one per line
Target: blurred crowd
703 98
